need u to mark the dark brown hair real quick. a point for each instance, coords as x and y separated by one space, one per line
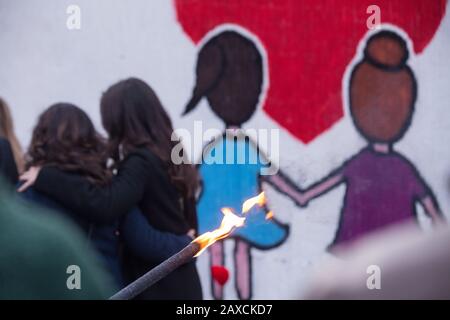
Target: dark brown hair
65 137
383 89
134 118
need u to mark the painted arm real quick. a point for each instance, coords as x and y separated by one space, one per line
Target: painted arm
432 209
302 197
322 187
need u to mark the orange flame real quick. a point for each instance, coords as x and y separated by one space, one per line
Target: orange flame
250 203
229 222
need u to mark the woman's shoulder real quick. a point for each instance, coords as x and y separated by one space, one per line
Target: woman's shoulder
143 155
33 195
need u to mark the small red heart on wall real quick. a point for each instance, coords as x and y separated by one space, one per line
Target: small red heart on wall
309 44
220 274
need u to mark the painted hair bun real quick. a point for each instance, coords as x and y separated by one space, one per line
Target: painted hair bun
383 89
386 49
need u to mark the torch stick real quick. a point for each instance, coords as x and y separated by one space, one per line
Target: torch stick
158 272
229 222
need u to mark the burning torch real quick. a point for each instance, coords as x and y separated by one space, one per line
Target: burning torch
229 223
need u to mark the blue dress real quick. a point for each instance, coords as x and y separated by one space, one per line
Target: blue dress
230 171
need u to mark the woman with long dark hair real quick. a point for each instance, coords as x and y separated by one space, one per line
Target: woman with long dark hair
65 139
140 143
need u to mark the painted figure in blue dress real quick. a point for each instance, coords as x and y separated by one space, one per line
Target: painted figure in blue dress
229 75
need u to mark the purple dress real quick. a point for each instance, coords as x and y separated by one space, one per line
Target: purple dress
381 190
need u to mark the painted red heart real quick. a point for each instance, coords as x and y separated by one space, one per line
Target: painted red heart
309 44
220 274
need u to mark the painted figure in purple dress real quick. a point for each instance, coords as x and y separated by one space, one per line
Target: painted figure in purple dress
382 186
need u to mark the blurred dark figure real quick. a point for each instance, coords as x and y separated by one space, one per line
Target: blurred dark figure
36 251
11 160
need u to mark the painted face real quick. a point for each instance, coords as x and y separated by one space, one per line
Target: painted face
383 89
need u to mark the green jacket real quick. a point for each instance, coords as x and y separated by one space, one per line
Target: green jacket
35 253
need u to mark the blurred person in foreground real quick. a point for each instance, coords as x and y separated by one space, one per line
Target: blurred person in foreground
37 250
410 264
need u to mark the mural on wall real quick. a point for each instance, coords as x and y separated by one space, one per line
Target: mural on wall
308 53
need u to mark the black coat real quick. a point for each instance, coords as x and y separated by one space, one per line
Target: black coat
104 238
8 168
142 180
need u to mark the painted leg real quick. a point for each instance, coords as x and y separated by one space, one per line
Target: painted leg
217 259
243 267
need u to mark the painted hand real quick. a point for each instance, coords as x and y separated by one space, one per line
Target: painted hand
284 185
